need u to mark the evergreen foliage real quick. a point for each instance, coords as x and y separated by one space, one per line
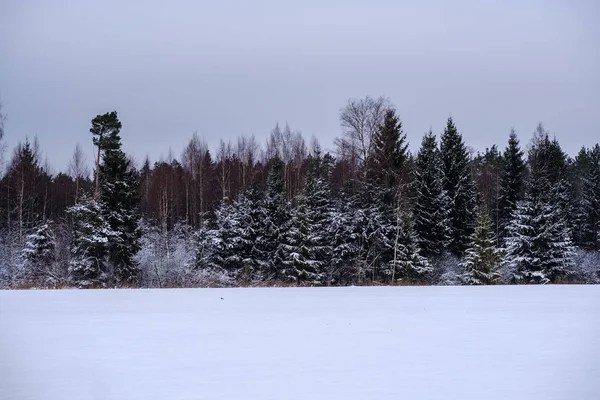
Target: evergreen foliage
89 265
407 261
512 183
460 187
39 252
307 245
483 258
389 152
274 222
539 248
587 210
431 200
120 197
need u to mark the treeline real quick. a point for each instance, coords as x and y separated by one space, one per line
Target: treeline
370 212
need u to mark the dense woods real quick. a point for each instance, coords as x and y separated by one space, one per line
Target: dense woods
287 212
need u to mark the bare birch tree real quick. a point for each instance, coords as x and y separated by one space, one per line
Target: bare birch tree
360 119
2 144
78 168
224 156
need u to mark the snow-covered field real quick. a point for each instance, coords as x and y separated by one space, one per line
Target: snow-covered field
526 342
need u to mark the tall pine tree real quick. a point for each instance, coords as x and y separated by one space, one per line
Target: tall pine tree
539 248
460 187
512 183
307 246
120 196
431 200
587 215
389 152
273 226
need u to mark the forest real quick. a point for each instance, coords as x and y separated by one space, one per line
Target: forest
285 212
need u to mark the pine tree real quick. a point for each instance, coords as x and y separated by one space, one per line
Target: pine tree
344 267
89 264
431 200
39 252
460 187
512 183
300 262
587 216
388 152
227 232
307 245
235 237
274 223
482 258
251 217
105 130
120 197
539 248
488 167
409 263
373 221
206 242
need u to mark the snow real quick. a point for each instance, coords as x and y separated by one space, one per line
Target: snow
504 342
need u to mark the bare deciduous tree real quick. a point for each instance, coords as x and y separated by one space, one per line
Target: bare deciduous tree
360 119
2 144
247 151
224 158
274 144
78 168
196 182
315 146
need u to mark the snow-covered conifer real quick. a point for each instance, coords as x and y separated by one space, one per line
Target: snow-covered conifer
482 259
39 252
431 200
407 261
460 186
89 264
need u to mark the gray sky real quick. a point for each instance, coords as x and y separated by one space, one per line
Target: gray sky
231 67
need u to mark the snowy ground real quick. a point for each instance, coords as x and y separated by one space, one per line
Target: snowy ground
539 342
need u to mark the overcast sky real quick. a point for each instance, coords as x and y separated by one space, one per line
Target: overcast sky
228 67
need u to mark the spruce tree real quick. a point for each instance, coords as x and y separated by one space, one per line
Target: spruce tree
588 207
488 167
376 198
89 265
120 197
512 183
39 252
251 218
482 258
538 245
226 252
308 248
388 152
431 200
273 225
373 221
236 232
460 187
410 265
579 173
301 263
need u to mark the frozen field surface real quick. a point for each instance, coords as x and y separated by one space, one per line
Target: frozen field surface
480 343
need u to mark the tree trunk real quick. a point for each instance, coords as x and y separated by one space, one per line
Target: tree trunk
97 192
